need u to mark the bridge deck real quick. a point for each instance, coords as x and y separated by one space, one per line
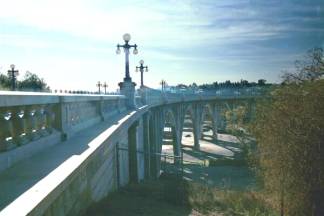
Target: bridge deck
20 177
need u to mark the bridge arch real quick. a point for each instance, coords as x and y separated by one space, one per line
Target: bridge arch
209 121
188 118
170 136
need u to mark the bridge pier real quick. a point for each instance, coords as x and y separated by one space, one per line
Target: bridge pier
156 136
216 119
127 88
180 112
146 145
176 145
220 122
197 124
136 151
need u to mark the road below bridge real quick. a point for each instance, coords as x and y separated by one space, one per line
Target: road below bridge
198 167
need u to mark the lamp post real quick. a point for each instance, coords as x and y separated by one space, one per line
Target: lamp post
13 75
141 69
99 85
105 85
127 47
163 84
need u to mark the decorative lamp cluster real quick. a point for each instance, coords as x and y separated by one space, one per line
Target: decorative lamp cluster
127 47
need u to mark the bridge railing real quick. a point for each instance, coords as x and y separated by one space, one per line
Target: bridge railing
27 117
153 96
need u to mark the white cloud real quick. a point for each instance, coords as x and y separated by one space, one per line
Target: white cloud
185 27
161 22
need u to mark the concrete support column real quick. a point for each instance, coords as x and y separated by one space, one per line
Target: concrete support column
152 147
215 120
122 159
220 121
176 144
127 88
156 130
197 118
140 150
147 150
132 153
155 136
196 133
180 117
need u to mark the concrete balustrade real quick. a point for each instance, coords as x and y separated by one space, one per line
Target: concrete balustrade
27 118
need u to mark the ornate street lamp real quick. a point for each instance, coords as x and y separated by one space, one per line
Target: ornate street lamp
163 84
13 75
127 47
105 85
141 69
99 85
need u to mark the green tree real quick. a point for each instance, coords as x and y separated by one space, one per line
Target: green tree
32 82
310 68
262 82
289 130
4 82
237 124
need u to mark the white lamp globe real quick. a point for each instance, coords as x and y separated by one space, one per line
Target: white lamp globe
126 37
141 61
12 66
118 51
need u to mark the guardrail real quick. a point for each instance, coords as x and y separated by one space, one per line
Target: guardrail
153 96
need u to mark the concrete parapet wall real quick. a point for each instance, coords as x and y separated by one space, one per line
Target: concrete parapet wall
28 119
82 179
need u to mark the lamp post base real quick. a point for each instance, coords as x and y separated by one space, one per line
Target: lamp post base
127 79
127 88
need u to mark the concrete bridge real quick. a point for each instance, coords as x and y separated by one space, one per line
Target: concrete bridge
61 152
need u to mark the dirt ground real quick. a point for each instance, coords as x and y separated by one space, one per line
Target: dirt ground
196 168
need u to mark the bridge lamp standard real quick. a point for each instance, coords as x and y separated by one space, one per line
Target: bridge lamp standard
99 85
141 69
13 75
163 84
105 85
127 47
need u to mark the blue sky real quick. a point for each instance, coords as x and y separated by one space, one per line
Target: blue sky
71 43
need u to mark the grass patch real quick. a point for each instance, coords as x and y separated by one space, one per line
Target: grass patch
172 196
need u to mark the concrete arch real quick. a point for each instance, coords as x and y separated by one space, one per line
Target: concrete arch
195 114
169 116
187 114
171 133
209 112
188 110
